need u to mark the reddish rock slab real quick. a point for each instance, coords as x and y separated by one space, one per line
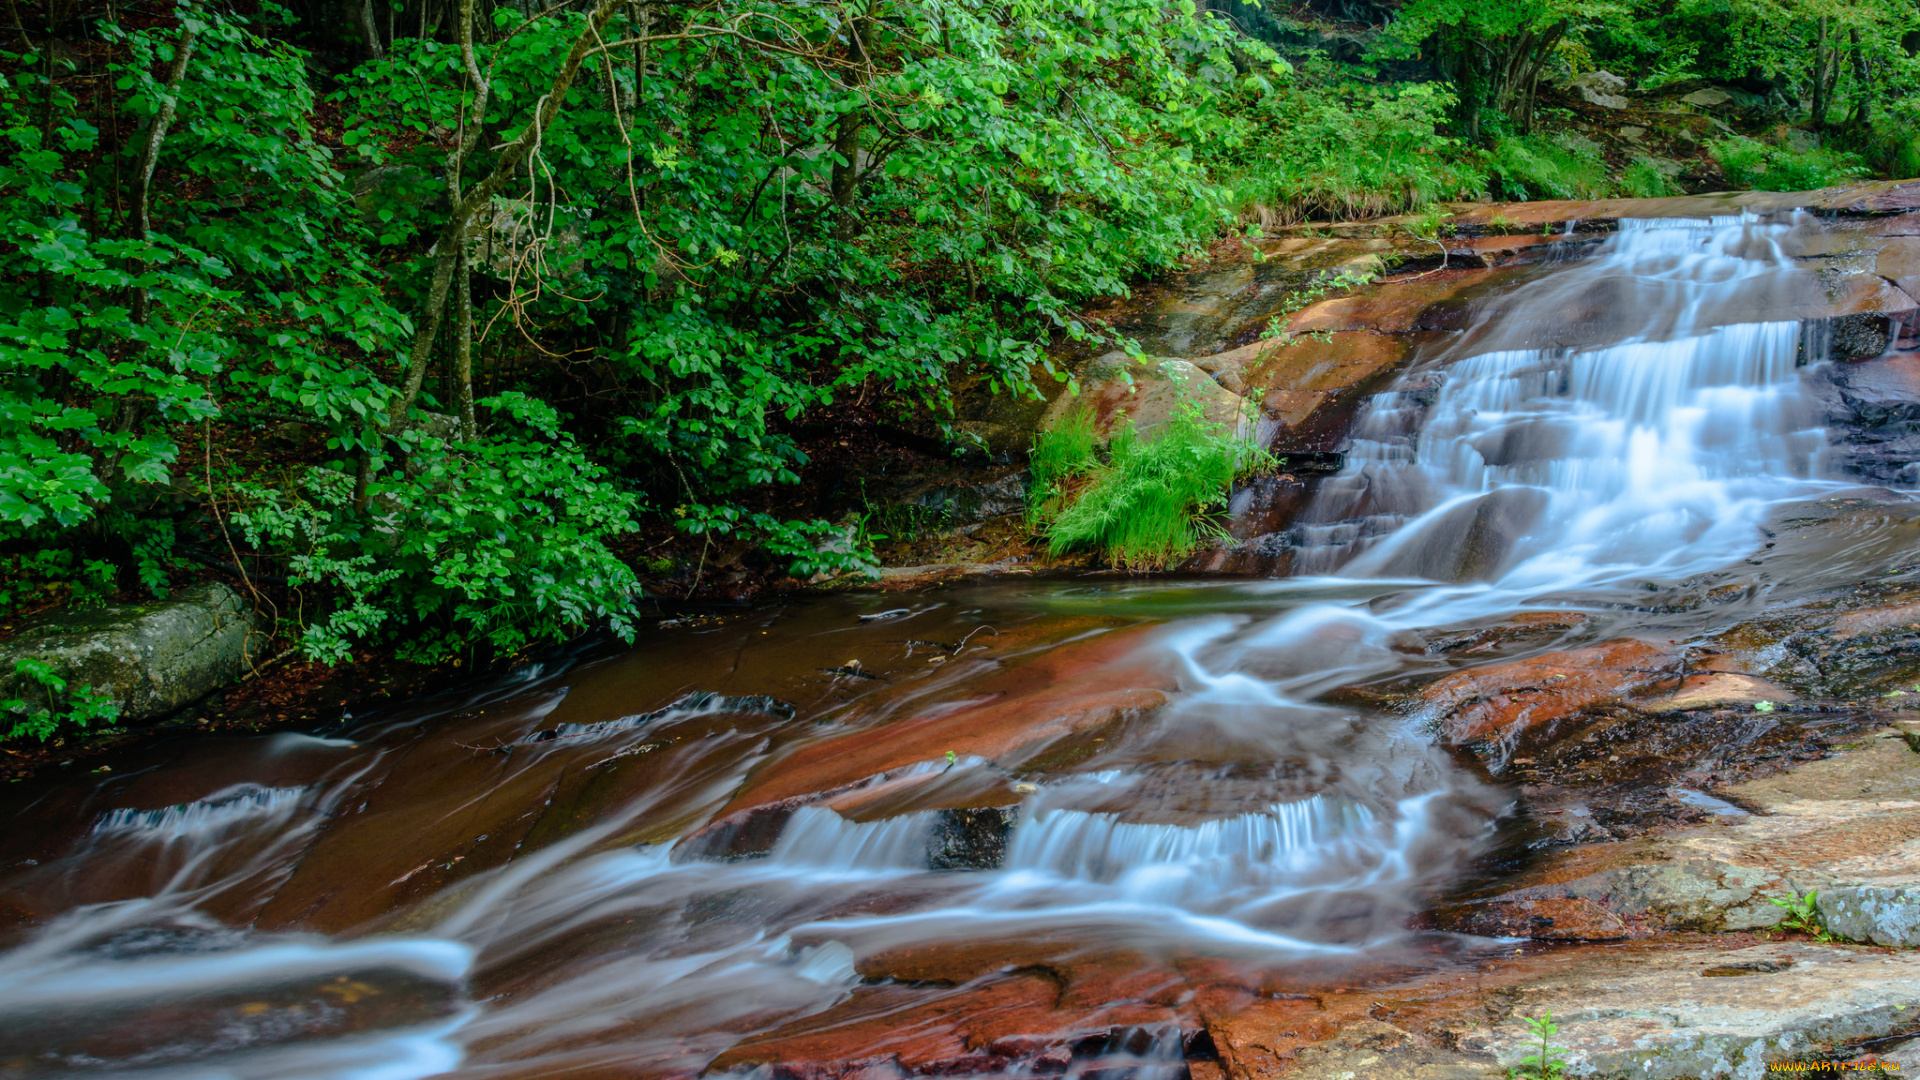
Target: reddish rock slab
1069 689
1263 1037
1494 252
1394 306
909 1028
1548 919
1883 197
1504 702
995 1025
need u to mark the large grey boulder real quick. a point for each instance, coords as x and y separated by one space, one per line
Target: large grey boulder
152 659
1602 88
1882 914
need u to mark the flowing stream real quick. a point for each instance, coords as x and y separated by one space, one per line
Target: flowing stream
637 862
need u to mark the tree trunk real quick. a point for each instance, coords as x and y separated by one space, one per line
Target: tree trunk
1820 102
371 31
141 222
845 181
463 343
1863 83
846 176
450 247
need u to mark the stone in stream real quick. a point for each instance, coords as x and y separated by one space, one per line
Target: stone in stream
1544 919
1846 826
151 659
1073 689
971 839
1881 914
1472 541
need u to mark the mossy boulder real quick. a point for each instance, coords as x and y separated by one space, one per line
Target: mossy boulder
152 659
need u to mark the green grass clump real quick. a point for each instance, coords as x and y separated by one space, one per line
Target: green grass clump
1064 451
1148 505
1749 163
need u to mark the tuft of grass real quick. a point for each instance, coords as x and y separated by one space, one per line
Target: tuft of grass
1149 504
1066 450
1749 163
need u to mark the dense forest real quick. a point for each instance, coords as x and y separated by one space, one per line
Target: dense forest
432 324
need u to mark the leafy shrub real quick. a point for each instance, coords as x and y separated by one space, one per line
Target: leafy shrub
1343 149
1749 163
500 539
1147 505
62 709
46 575
1802 914
809 548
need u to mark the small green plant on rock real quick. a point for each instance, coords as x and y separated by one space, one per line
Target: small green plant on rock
62 710
1548 1061
1803 915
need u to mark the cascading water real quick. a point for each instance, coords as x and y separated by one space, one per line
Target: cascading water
542 879
1654 453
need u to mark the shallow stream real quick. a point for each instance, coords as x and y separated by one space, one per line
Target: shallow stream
832 827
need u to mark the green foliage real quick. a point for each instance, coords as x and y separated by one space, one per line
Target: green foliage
1009 169
1332 148
501 538
118 337
809 548
1533 167
1548 1061
1802 914
1060 453
1316 289
31 719
1644 180
35 578
1147 505
1749 163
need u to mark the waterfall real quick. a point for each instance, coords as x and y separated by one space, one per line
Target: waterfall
1657 454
